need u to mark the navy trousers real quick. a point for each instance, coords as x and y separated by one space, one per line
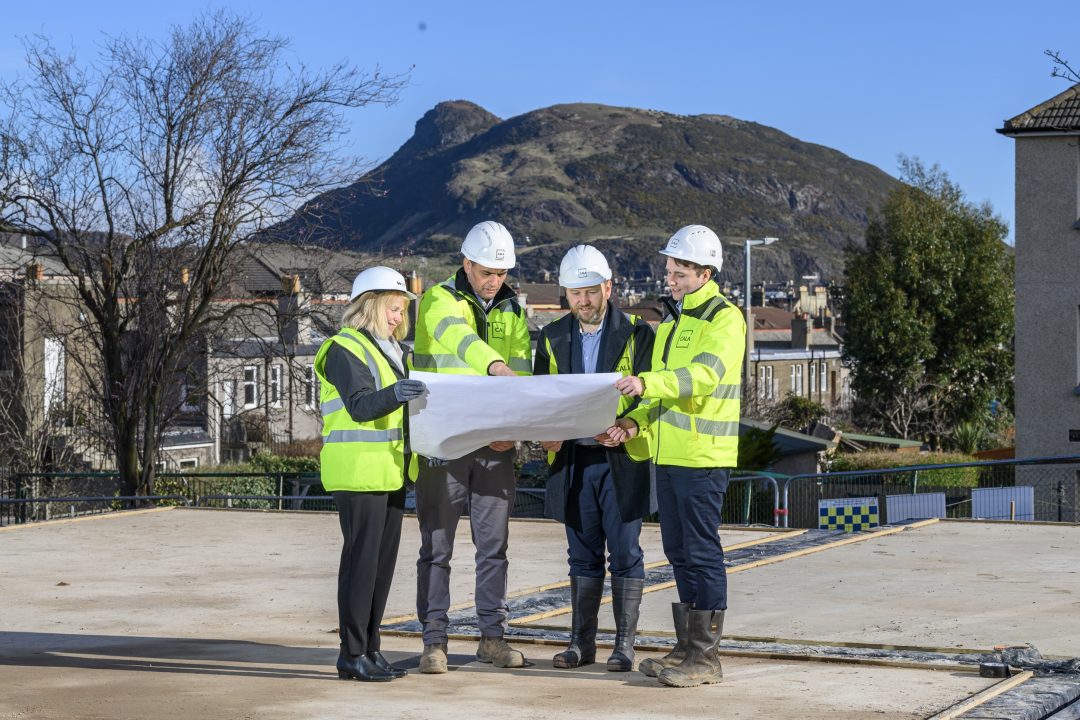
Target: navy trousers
690 501
593 518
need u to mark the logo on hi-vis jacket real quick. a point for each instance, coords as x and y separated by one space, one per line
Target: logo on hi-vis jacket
497 329
623 366
684 338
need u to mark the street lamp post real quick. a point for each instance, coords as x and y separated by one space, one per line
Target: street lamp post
747 245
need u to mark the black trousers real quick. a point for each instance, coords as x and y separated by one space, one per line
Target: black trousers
371 531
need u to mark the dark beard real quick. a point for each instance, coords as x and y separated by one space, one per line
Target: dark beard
594 319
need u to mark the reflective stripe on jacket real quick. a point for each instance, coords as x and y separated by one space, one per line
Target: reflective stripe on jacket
693 392
455 335
367 456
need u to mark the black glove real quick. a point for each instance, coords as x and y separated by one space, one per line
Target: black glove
406 390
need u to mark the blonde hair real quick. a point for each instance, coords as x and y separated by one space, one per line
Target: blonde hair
368 312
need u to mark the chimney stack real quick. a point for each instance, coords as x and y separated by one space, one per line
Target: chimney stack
801 327
290 284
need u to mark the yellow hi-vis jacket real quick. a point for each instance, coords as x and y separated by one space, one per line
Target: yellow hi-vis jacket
692 394
360 456
455 335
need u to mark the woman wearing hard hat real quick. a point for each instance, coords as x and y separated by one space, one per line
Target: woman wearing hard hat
365 458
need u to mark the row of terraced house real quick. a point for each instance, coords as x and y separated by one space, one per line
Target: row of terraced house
253 387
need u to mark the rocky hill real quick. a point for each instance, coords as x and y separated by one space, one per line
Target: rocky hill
621 178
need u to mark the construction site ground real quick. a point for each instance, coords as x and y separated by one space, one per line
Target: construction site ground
184 613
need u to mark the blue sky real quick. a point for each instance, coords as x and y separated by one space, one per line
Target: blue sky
871 79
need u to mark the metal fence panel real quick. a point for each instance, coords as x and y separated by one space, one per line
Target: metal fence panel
1015 503
1056 483
914 507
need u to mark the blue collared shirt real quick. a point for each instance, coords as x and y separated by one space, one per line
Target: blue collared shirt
590 349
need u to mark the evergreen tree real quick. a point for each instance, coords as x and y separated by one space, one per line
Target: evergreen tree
928 306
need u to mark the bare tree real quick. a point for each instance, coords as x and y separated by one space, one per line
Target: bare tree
145 171
1061 68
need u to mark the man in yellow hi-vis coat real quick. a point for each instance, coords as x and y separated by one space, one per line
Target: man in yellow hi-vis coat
690 401
471 324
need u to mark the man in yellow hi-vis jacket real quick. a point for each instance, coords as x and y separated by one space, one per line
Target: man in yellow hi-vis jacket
690 401
471 324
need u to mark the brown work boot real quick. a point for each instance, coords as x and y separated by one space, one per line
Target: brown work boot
433 659
702 663
494 650
680 614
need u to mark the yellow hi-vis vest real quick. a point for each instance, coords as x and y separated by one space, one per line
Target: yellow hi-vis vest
454 336
638 447
693 392
367 456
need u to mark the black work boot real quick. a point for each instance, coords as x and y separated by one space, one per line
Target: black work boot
585 596
680 614
626 601
702 663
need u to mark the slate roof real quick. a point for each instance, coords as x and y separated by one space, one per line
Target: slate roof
1060 113
541 293
787 441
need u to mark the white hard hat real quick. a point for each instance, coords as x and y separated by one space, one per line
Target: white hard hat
489 244
379 278
696 244
583 266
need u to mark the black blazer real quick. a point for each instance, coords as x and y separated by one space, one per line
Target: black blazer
631 478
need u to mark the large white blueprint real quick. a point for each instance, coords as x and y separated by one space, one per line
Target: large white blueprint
462 413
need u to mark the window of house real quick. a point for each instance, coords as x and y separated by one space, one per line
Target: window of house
311 385
798 380
761 383
228 398
251 386
813 378
823 369
770 388
275 385
792 384
188 463
55 377
1077 388
186 403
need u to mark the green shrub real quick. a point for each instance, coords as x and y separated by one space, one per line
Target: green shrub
883 460
267 463
756 449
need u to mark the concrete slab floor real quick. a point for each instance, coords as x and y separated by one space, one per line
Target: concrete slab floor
186 613
948 585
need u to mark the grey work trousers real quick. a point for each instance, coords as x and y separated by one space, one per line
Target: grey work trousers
483 483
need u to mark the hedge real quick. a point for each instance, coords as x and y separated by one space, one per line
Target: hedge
884 460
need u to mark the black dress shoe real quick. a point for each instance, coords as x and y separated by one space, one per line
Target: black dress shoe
383 664
360 668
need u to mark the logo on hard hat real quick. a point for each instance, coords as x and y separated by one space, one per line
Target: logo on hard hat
673 243
500 254
582 273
